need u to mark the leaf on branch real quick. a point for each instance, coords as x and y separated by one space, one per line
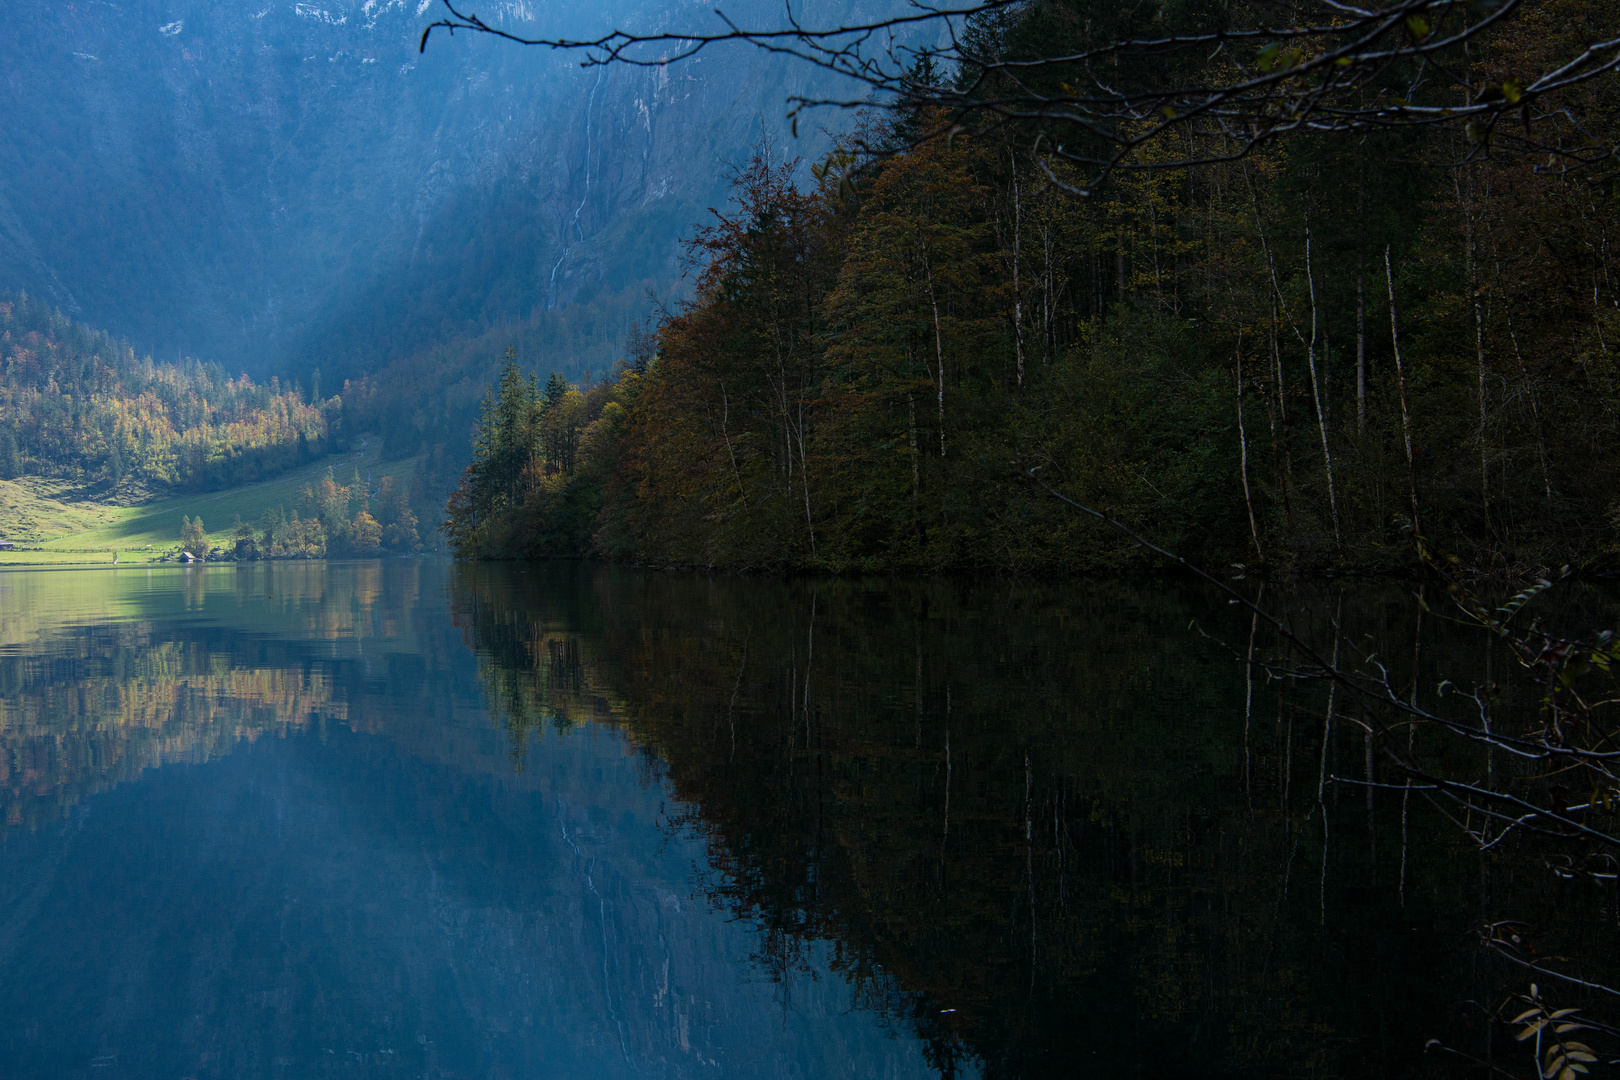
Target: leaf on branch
1530 1030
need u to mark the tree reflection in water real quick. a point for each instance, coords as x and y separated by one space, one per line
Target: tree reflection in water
1049 830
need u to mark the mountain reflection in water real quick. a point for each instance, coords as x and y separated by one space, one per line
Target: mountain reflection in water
413 819
336 870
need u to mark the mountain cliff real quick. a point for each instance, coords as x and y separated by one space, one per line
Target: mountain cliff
290 185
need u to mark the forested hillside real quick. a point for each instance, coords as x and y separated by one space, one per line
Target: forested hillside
78 405
1289 355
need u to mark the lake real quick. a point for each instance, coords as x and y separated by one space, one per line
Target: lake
410 818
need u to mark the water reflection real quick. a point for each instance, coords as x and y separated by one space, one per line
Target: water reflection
1048 832
104 674
403 818
336 868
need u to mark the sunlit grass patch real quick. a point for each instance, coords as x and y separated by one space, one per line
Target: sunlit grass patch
68 533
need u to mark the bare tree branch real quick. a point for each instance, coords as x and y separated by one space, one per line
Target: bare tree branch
1329 67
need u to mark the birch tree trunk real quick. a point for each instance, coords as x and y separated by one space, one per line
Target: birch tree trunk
1243 457
1316 396
939 351
1400 379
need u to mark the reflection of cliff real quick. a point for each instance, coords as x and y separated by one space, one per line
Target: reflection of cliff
1038 829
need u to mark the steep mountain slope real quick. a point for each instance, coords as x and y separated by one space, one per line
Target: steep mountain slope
283 184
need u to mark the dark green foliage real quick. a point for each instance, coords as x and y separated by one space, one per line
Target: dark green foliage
395 517
523 494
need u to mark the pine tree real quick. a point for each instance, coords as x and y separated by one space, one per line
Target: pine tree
503 447
395 516
556 389
115 463
10 466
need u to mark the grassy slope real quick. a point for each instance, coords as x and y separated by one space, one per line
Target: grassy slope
67 533
31 511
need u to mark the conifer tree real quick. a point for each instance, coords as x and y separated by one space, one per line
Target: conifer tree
9 464
503 447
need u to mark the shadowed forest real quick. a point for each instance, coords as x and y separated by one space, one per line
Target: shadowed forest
1291 357
1050 832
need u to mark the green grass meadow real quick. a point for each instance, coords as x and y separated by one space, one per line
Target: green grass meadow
59 532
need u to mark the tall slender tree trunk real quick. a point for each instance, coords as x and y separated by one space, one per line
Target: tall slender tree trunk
1400 379
1049 337
1535 410
1285 478
1277 461
916 468
939 351
782 405
1474 289
804 477
1243 457
1361 349
1018 283
1361 309
725 417
1316 397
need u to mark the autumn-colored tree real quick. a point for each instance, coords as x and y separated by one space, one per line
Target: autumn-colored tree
1292 354
365 535
720 426
75 404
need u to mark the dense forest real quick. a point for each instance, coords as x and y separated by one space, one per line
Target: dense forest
78 405
1290 353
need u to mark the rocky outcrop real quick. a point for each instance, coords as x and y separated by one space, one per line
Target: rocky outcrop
278 183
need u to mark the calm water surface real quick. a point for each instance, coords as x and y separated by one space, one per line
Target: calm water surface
410 819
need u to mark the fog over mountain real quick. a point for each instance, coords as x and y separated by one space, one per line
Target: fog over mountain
282 185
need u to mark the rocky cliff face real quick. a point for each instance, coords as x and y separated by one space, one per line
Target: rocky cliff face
277 184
